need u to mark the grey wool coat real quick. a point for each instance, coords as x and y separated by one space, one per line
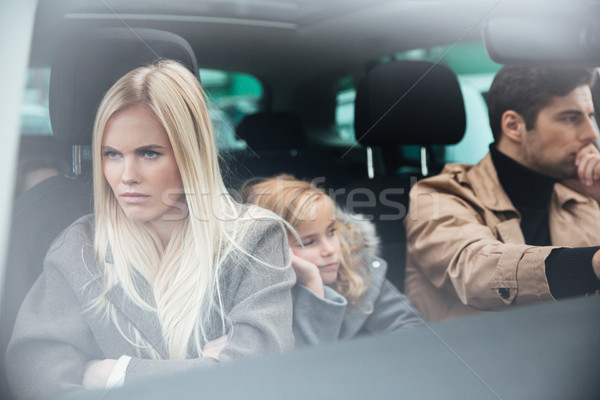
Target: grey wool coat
382 308
55 335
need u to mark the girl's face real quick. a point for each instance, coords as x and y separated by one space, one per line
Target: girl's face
319 242
139 165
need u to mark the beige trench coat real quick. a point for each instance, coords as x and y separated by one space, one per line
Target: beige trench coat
466 251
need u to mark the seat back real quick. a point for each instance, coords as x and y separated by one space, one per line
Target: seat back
401 103
276 144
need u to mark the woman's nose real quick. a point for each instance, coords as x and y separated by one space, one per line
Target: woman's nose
130 173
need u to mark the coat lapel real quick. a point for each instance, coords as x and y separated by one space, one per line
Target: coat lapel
573 218
145 321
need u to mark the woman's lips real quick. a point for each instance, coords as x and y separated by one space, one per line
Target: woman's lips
134 198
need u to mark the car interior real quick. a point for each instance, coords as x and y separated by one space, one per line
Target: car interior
362 97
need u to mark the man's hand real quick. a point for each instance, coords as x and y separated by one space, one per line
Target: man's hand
587 162
308 274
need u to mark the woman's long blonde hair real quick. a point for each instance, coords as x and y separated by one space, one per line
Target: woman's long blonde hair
184 276
295 201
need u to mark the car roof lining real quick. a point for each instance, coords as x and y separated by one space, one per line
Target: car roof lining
346 33
294 50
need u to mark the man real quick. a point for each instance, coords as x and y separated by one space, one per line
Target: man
523 225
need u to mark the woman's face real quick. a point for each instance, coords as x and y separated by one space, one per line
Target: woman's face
319 242
139 165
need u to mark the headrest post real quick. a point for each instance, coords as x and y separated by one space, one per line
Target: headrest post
76 159
370 169
424 167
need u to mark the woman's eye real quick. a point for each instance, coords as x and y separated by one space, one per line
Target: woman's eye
308 243
150 154
111 154
332 232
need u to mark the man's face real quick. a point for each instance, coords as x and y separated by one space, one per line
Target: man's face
561 130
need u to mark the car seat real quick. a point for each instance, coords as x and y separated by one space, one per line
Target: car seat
276 144
401 103
83 69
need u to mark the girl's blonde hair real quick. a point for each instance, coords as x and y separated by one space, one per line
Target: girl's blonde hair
296 201
184 276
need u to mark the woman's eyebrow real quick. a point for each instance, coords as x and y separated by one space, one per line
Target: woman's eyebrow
151 147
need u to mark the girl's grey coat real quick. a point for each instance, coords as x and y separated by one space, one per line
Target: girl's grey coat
319 320
54 336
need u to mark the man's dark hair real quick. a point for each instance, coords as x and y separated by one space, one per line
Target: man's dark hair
526 90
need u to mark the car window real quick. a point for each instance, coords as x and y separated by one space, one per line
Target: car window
35 118
233 96
344 110
475 71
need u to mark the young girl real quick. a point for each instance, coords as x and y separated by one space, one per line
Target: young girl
170 273
341 290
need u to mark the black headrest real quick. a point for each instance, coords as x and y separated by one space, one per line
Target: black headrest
272 131
409 102
87 65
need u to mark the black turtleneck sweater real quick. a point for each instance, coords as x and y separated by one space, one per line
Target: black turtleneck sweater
569 270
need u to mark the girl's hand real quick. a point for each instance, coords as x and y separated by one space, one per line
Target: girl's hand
307 274
97 372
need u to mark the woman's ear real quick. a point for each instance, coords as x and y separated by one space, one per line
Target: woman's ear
513 126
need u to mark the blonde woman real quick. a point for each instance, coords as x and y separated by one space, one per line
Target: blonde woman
341 290
170 273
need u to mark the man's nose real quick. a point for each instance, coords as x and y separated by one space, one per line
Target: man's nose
590 131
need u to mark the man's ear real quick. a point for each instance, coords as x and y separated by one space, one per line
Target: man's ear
513 126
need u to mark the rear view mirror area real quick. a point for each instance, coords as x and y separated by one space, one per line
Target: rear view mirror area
557 40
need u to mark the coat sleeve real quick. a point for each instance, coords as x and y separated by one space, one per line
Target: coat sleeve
317 320
392 311
51 341
260 318
449 242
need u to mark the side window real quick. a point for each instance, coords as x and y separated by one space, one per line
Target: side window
233 96
344 110
478 134
35 118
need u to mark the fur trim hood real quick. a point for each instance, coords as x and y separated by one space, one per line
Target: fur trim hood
362 232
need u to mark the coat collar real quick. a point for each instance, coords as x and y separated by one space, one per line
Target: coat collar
565 194
487 187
